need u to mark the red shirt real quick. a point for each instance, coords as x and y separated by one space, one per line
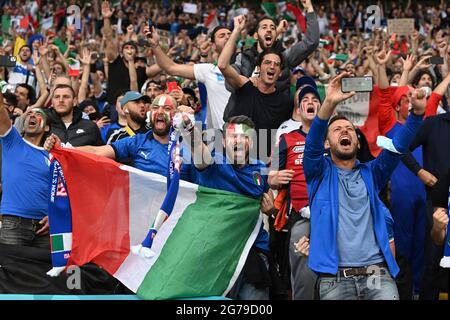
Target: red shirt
290 156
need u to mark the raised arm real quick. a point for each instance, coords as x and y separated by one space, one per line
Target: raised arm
85 60
334 97
5 122
300 51
163 61
386 112
112 48
230 74
201 155
387 161
132 72
43 91
408 64
436 96
313 160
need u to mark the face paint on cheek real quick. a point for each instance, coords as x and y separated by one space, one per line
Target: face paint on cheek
41 123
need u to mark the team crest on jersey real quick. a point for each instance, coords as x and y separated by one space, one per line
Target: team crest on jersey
257 178
61 191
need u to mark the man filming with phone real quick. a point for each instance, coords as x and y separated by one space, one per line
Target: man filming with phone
351 229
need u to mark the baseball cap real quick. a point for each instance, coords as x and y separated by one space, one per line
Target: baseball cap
133 96
307 85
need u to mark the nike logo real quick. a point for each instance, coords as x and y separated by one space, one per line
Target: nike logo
79 131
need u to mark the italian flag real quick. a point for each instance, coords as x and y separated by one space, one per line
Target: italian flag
74 67
199 251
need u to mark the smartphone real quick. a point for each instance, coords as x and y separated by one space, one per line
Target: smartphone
7 61
436 60
171 86
357 84
150 25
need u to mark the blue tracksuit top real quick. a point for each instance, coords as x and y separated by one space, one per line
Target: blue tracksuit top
322 181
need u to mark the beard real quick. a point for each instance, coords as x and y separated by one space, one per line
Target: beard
344 155
137 118
161 133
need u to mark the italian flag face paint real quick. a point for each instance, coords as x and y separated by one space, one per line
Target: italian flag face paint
238 129
163 101
41 118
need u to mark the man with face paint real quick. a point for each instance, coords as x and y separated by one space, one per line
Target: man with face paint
237 172
267 106
351 229
147 151
287 172
133 105
408 208
25 174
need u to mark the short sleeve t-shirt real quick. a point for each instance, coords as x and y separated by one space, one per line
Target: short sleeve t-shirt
218 95
268 111
25 177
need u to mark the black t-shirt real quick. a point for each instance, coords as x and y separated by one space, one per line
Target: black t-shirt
119 79
268 111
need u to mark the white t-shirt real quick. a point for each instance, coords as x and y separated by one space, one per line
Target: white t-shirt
218 95
287 126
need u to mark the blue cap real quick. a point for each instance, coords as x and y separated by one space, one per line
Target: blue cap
133 96
307 85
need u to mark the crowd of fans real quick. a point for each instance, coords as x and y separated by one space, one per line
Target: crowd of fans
109 78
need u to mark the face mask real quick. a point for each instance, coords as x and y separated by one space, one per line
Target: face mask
394 84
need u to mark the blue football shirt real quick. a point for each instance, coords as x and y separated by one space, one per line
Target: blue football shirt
25 177
148 154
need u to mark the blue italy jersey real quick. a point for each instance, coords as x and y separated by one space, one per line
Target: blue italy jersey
25 177
150 155
247 181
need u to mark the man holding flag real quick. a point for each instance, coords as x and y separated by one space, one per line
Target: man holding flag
237 172
148 151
